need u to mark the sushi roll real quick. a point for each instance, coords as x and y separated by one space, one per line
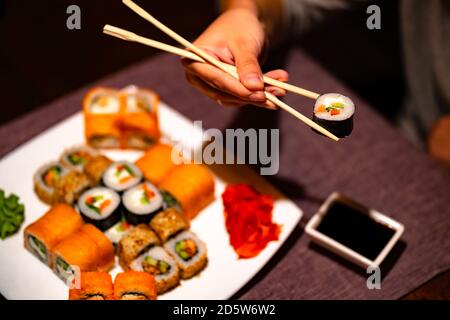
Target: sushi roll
189 252
192 185
156 163
139 120
45 180
105 246
101 207
136 241
168 223
102 109
334 112
141 203
93 286
161 265
95 168
42 236
76 158
134 285
117 231
69 188
121 176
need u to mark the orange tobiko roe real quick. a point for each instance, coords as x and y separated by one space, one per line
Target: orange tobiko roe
248 219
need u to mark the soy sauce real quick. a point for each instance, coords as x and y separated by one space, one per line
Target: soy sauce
351 226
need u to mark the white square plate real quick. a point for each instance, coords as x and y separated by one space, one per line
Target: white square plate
22 276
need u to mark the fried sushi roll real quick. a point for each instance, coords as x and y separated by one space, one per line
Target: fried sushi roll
189 252
101 207
95 168
334 112
46 179
105 259
141 203
93 286
156 163
69 188
121 176
43 235
139 119
76 158
134 285
168 223
161 265
102 109
136 241
192 185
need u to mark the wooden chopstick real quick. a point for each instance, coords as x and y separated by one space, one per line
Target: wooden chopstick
130 36
144 14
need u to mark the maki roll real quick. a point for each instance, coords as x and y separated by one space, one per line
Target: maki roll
95 168
156 163
105 247
135 242
70 187
121 175
77 157
141 203
134 285
161 265
42 236
139 120
168 223
93 286
101 109
334 112
189 252
192 186
45 180
101 207
117 231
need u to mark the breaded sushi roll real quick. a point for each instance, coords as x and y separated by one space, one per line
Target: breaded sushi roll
192 185
71 186
156 163
136 241
189 252
134 285
105 259
76 158
161 265
75 250
43 235
101 207
141 203
168 223
95 168
102 109
139 119
46 179
121 175
334 112
93 286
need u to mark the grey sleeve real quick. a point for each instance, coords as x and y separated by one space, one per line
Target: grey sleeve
300 15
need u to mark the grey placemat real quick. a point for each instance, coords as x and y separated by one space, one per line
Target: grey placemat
376 166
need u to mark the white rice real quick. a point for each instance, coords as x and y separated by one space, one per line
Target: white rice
112 104
132 199
327 99
107 194
112 180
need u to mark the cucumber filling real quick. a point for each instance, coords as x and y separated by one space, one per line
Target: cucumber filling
63 269
155 266
186 249
38 247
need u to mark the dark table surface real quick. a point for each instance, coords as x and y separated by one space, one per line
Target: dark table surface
375 165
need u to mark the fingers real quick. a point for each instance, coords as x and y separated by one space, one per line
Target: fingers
222 81
221 97
246 60
280 75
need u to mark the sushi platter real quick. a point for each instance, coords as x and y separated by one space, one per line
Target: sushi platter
165 222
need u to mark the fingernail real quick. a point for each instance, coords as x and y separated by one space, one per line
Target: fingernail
278 92
257 96
253 79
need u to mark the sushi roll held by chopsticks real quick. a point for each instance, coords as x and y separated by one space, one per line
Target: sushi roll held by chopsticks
134 285
335 112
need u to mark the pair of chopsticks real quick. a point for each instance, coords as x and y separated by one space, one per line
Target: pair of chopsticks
199 55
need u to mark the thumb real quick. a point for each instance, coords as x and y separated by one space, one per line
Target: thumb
249 71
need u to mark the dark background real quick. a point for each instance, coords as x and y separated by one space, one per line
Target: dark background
41 60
